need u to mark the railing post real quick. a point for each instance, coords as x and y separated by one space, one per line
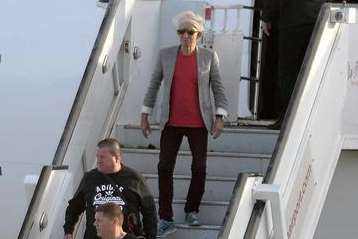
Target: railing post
225 19
258 73
271 192
237 28
212 22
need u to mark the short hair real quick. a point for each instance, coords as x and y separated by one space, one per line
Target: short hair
189 17
112 144
111 211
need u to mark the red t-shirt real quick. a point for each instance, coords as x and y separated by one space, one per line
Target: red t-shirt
184 98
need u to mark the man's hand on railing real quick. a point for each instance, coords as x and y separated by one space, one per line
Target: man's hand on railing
68 236
266 27
144 124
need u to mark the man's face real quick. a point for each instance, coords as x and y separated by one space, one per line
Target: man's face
188 35
106 161
105 227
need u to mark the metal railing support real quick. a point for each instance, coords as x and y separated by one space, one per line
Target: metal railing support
271 192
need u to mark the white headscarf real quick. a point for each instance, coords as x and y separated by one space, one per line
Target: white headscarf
189 18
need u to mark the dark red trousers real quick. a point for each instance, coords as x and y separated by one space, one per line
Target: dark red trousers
170 142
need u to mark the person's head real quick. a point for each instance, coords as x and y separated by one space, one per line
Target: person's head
108 156
108 220
189 28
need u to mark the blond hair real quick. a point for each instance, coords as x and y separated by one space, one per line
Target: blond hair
189 18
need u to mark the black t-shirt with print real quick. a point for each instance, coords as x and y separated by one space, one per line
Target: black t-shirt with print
132 195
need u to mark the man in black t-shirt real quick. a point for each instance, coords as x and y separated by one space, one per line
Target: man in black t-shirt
109 221
112 182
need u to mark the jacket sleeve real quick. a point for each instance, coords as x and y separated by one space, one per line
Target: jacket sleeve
153 88
148 209
75 208
270 10
217 87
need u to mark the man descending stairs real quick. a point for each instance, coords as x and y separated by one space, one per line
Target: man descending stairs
236 151
189 74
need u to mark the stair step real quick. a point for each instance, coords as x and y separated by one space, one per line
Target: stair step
206 211
218 164
232 139
190 232
216 188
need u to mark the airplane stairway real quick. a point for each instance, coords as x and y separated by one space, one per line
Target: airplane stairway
305 155
237 150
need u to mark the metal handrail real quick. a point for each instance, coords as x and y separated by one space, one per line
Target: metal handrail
85 84
76 109
40 187
234 203
226 8
290 115
36 198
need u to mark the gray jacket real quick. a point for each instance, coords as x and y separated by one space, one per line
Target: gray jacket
208 77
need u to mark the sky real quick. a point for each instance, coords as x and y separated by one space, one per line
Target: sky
44 54
44 50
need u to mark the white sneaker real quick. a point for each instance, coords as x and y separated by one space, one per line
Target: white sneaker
165 228
191 219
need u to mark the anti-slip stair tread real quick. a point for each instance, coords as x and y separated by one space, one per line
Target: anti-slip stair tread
146 163
203 203
209 154
234 140
201 227
227 129
188 177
